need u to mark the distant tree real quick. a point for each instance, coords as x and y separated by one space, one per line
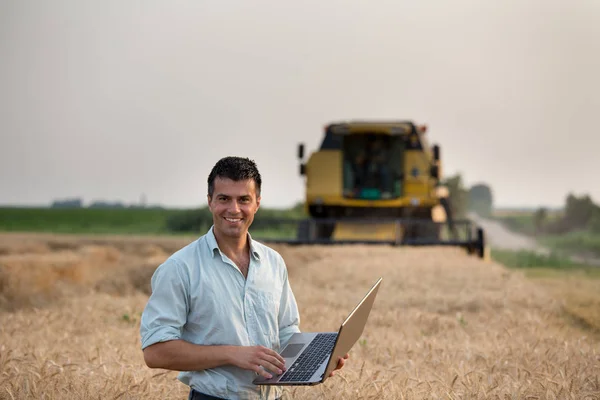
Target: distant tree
458 195
298 209
594 223
481 199
67 203
539 219
578 211
106 204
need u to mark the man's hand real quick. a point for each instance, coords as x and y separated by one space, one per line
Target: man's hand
341 362
255 357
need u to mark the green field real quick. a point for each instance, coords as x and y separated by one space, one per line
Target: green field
583 243
85 220
137 221
530 260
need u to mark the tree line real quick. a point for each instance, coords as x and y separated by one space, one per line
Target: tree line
580 213
477 198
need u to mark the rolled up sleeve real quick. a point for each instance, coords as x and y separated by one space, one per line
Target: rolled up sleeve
289 317
165 313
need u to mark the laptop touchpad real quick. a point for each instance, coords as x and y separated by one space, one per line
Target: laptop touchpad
291 350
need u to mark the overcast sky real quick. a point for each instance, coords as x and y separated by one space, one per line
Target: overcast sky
111 99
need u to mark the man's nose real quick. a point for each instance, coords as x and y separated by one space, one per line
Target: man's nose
234 207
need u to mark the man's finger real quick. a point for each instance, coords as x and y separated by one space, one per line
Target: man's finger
274 368
278 362
262 372
277 356
273 364
273 353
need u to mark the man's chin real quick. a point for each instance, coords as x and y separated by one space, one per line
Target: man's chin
234 231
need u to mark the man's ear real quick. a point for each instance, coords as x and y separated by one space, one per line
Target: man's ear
208 200
257 203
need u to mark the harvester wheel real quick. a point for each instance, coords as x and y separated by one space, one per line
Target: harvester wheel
324 230
309 230
480 243
303 233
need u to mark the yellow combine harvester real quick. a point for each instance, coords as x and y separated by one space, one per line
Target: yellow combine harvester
379 182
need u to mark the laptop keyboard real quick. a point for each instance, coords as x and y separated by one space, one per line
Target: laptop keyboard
311 358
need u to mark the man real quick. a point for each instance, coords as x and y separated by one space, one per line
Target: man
354 174
378 166
222 306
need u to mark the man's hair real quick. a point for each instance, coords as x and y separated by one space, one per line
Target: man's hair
236 169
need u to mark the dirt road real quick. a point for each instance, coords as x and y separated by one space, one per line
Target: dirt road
499 237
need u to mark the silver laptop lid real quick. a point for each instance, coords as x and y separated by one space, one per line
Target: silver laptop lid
352 328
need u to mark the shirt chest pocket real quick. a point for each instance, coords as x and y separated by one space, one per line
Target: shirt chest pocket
267 311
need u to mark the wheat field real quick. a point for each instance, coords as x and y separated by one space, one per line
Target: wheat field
444 325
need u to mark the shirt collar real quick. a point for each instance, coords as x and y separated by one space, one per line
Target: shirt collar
212 244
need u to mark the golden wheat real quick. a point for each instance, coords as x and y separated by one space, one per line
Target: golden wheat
444 325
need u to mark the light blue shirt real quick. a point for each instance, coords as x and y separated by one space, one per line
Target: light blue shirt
199 295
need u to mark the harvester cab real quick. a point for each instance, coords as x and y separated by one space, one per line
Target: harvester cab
379 182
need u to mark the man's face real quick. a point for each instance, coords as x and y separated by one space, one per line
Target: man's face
233 205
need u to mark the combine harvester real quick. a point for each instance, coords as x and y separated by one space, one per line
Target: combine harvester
378 183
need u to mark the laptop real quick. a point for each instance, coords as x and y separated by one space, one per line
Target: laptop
310 357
